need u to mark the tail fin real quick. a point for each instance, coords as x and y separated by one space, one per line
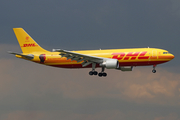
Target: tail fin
26 43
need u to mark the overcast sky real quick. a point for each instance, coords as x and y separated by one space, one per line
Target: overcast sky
31 91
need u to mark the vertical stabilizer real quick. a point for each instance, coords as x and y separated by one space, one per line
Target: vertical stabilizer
27 44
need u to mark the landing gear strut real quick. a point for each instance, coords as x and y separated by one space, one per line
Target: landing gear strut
154 71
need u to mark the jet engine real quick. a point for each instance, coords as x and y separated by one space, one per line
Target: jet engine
110 64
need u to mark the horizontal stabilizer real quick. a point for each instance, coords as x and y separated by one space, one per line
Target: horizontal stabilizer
29 56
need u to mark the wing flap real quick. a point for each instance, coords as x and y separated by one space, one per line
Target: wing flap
86 64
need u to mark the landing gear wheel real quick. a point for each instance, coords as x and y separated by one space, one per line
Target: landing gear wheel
95 72
100 74
91 73
154 71
104 74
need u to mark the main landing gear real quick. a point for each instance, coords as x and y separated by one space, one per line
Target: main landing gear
102 73
154 71
93 72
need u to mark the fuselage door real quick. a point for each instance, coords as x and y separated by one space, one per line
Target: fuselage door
154 54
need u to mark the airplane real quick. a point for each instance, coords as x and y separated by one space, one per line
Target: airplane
119 59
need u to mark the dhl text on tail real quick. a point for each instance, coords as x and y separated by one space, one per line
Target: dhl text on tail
119 59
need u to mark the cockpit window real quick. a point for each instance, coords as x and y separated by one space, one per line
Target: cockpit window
165 52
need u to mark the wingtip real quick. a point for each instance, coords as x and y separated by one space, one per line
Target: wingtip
10 52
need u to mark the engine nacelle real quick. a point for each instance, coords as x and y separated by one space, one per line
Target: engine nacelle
125 68
110 64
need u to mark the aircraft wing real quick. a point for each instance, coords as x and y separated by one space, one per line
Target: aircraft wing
30 56
80 57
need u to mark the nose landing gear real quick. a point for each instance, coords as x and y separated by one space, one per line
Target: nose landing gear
154 71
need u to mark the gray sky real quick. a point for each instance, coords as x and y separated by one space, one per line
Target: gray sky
31 91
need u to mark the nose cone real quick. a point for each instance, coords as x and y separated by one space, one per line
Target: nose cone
171 57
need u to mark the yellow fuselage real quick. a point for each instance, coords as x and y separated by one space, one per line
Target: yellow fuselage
126 57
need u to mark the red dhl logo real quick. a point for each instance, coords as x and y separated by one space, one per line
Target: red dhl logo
130 55
29 45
